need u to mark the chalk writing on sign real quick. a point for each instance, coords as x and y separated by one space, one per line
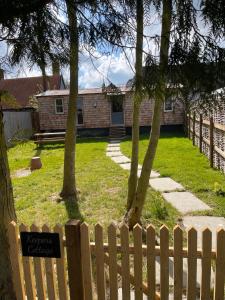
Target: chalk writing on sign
40 244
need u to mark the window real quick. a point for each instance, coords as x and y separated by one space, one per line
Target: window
59 106
168 105
80 120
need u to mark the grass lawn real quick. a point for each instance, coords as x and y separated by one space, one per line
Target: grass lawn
178 159
101 182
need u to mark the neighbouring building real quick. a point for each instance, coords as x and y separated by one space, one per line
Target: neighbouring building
19 115
99 110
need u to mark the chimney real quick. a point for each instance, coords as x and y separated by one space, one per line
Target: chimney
55 67
1 74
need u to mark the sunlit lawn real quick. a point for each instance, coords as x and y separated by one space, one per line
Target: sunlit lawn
177 158
102 187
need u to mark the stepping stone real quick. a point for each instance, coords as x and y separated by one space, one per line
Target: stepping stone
185 202
114 142
114 153
120 159
202 222
109 149
127 166
165 185
114 145
154 174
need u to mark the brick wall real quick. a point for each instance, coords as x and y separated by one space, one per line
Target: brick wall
100 116
171 117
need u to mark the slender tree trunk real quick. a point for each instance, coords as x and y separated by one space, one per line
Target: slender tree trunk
7 214
134 214
69 184
133 178
44 78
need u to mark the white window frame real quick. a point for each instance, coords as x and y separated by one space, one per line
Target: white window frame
168 110
61 112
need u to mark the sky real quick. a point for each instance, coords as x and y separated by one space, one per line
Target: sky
93 72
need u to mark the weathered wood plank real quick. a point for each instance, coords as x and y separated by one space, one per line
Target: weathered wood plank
113 284
100 266
86 261
14 252
178 262
192 264
137 232
49 271
125 261
206 264
150 241
39 271
60 266
28 271
164 263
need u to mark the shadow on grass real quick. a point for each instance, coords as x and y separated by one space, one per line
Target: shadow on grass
72 208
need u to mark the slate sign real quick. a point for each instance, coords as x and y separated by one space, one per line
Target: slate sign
40 244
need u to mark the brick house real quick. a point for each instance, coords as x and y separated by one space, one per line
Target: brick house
98 111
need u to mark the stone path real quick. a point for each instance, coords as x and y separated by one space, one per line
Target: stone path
172 191
184 201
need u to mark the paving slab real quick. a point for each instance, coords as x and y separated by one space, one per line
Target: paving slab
113 153
114 145
202 222
154 174
165 184
185 202
114 142
120 159
126 166
112 149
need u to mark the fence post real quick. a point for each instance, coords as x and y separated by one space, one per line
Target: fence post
193 130
200 133
211 146
73 247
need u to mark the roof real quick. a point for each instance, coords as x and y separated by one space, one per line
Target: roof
53 93
23 88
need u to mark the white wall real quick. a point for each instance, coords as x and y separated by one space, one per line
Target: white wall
17 124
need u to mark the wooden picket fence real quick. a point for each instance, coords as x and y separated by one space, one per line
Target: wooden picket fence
95 266
209 136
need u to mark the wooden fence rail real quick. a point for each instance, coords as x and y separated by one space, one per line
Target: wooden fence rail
98 265
210 142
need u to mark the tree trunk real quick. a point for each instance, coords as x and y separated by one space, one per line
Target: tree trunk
133 178
134 214
7 214
44 78
69 184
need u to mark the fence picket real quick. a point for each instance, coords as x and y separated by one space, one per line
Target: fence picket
200 133
220 266
192 264
86 261
150 241
113 285
206 264
60 266
137 232
178 262
38 271
125 262
164 262
100 267
49 271
14 252
28 271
